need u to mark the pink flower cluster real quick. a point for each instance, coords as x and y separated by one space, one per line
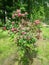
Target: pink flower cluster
19 14
37 22
23 33
13 29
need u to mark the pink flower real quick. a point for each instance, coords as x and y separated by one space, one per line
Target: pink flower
13 29
23 15
37 22
4 28
23 33
18 11
19 15
13 23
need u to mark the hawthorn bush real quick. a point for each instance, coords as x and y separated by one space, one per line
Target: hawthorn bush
24 34
25 39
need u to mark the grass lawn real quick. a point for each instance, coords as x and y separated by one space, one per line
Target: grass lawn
45 31
43 52
8 47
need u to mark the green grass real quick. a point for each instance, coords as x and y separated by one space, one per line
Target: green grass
45 32
43 52
7 47
43 47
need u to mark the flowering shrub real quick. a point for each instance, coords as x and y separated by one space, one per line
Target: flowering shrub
16 16
25 36
25 40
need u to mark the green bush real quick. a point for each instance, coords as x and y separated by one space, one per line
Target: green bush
25 40
1 24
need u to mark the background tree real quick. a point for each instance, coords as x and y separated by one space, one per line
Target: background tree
37 9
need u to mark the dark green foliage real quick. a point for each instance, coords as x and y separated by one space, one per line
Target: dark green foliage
37 9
